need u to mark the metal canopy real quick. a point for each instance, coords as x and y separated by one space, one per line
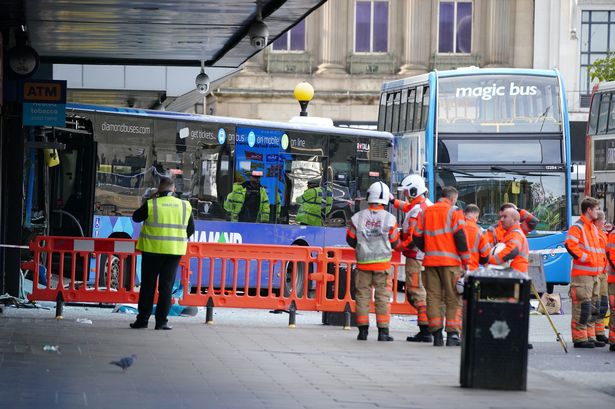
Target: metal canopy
151 32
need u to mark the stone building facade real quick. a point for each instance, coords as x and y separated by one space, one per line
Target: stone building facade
350 47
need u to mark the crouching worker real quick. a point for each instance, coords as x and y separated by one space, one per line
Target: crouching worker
373 234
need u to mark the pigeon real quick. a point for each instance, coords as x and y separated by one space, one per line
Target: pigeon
125 362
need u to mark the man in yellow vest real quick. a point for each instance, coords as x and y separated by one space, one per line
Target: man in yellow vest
248 201
167 224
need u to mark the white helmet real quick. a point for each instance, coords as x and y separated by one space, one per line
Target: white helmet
378 192
495 251
414 184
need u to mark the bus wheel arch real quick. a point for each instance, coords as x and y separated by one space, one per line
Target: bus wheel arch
115 266
300 275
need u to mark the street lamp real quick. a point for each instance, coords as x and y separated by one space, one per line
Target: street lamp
304 93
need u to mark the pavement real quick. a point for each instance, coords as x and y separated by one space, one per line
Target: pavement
251 359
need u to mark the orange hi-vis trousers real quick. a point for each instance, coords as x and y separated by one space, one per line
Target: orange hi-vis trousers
382 283
585 296
416 291
442 296
603 291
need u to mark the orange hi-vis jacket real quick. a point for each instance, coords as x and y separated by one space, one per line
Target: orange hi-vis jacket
610 257
583 244
516 250
478 245
495 234
440 234
527 222
412 210
602 250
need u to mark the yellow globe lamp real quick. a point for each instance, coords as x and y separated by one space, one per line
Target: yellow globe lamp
304 92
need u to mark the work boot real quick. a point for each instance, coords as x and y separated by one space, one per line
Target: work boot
598 344
363 329
612 347
584 344
422 336
383 335
438 339
452 339
602 338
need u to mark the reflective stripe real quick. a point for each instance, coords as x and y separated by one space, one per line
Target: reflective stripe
124 247
434 232
83 245
573 238
442 254
588 268
449 218
161 238
591 249
476 243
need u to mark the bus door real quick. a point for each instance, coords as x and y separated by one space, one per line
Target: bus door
304 162
300 173
72 184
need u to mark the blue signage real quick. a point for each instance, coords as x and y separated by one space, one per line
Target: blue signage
44 114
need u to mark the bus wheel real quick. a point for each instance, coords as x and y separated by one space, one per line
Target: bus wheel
300 277
114 271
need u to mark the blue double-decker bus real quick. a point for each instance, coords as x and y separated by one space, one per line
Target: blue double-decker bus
111 156
497 135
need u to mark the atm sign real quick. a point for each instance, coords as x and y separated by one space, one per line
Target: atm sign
52 92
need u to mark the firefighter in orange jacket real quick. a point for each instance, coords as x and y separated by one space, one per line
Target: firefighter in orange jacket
414 190
478 245
602 279
583 243
527 222
373 233
516 251
610 253
440 234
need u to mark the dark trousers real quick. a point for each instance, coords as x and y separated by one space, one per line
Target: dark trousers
161 267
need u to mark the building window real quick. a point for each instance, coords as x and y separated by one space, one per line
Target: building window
597 41
292 40
372 26
455 27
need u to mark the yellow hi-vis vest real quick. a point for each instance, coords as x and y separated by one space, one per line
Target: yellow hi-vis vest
313 207
164 230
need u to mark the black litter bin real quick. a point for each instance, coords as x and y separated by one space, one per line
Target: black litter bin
494 346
